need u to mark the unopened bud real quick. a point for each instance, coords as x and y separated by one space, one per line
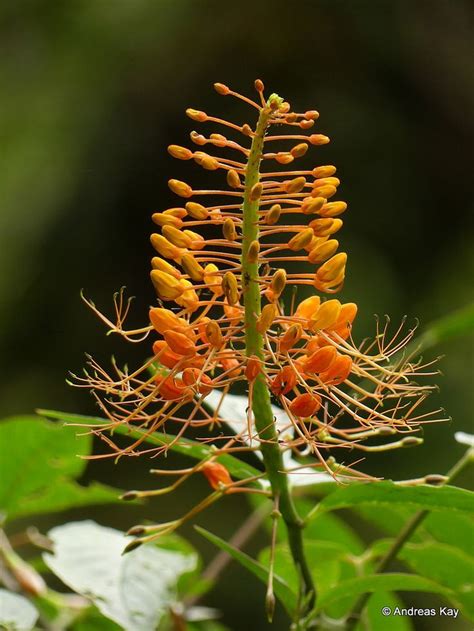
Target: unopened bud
299 151
253 252
168 287
294 186
333 268
180 152
194 270
176 236
230 287
301 239
256 192
196 115
216 474
333 209
233 179
318 139
283 157
324 171
222 89
278 282
273 215
322 251
325 191
325 227
214 334
196 211
411 441
266 318
312 205
180 188
228 229
259 85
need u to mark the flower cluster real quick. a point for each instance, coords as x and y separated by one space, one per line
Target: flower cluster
233 306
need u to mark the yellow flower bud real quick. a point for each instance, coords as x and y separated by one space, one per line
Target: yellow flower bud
166 248
301 239
214 334
196 115
312 205
228 228
177 237
294 186
253 252
213 279
325 227
283 157
256 192
162 219
164 319
326 315
167 286
273 215
324 171
266 318
333 209
206 161
324 181
196 211
233 179
333 268
192 267
230 287
162 265
318 139
180 152
326 191
323 251
278 282
298 151
180 188
220 88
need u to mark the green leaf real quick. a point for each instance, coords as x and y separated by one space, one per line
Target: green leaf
93 620
63 495
374 620
444 564
134 590
390 519
380 582
39 458
185 446
323 559
16 612
328 527
455 529
383 493
282 590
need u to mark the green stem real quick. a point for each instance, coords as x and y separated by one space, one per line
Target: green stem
403 536
261 404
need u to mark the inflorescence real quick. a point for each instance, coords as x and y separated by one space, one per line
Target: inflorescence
228 312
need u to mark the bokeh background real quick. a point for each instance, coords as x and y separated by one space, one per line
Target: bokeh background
93 91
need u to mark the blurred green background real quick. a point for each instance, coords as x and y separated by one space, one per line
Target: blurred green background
93 91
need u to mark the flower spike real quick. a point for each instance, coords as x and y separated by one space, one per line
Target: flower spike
222 313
